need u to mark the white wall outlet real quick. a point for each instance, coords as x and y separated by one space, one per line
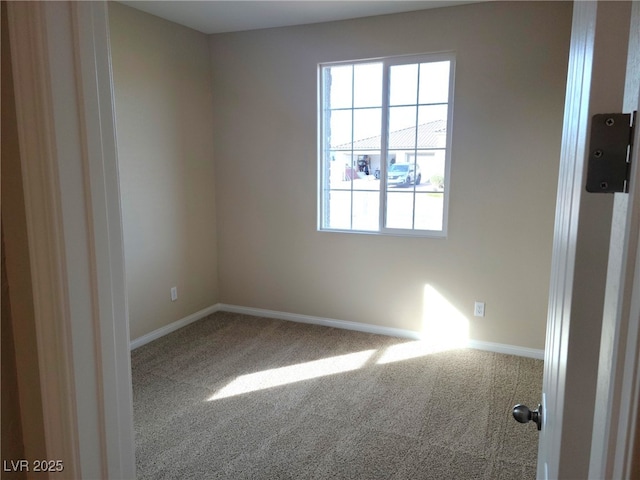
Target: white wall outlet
478 309
174 294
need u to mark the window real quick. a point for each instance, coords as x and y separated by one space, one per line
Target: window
385 144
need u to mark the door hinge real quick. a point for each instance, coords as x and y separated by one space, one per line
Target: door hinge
610 152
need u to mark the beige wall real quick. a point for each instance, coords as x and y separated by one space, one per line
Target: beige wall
509 98
162 80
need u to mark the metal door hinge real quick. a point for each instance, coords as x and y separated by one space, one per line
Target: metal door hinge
610 152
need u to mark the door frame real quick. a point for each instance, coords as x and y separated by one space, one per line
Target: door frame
84 366
572 154
618 387
66 131
622 368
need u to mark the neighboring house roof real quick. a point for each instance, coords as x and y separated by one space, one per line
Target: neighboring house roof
430 135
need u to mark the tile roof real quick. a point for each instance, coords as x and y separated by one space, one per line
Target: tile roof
430 135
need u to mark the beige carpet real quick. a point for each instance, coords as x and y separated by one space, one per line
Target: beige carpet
239 397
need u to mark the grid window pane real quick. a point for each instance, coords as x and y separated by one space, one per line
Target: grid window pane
429 211
367 124
367 85
340 90
432 167
432 126
399 210
339 134
402 127
339 170
403 173
366 211
434 82
385 155
366 167
339 216
403 84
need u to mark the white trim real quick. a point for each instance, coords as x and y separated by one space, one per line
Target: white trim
628 378
563 260
172 327
97 120
375 329
45 229
67 152
618 395
625 365
507 349
326 322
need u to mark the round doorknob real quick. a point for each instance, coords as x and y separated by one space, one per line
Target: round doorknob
524 414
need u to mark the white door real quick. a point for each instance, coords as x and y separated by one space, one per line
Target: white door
569 386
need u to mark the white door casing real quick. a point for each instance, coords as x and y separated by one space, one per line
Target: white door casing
613 415
565 236
60 55
617 397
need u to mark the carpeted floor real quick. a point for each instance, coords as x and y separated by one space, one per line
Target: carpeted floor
239 397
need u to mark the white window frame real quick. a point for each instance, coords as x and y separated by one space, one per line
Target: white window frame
323 168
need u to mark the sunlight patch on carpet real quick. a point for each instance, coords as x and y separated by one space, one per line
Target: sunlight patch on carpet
276 377
406 351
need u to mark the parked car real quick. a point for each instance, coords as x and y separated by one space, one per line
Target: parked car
402 174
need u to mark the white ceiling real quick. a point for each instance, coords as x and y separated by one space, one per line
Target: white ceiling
218 16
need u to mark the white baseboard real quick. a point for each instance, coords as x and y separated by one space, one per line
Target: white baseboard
172 327
507 349
327 322
368 328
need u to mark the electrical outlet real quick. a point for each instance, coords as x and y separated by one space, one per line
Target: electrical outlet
478 310
174 294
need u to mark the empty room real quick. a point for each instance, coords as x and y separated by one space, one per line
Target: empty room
316 239
243 190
